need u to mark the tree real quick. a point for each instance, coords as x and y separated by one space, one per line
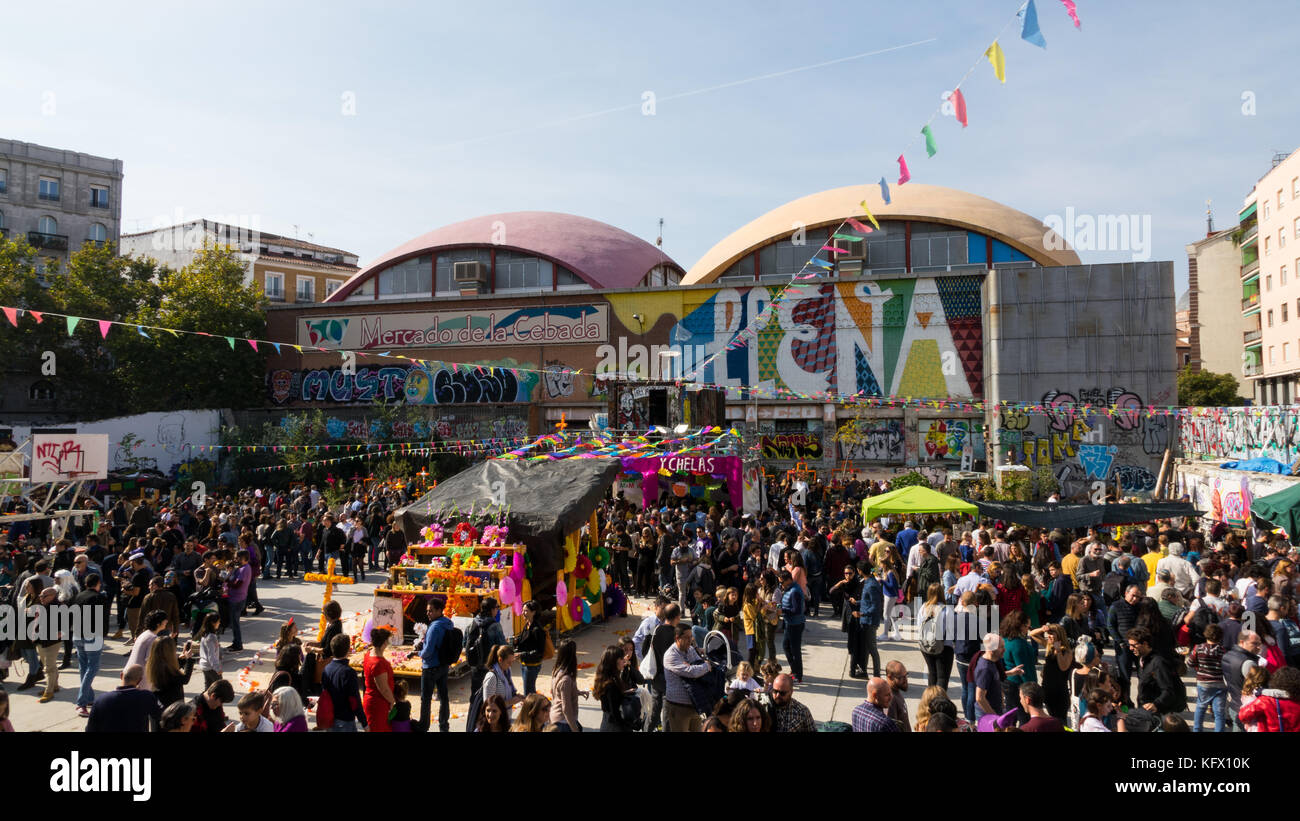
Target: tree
1207 389
910 479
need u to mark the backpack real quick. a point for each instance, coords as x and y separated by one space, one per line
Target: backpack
477 647
931 639
1112 586
453 641
1204 617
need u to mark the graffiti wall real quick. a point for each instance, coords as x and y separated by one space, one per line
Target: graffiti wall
451 427
1082 449
805 447
157 441
947 440
1241 433
415 385
872 440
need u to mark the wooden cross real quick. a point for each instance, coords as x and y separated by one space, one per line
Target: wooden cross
330 578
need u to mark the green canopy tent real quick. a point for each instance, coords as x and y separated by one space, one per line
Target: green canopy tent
913 500
1281 509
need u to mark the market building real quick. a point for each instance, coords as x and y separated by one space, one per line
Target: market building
558 309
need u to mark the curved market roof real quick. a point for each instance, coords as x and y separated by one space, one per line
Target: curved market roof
914 201
603 256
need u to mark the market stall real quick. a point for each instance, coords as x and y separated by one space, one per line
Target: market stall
914 500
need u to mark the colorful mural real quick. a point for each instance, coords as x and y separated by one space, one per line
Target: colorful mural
913 337
800 446
944 440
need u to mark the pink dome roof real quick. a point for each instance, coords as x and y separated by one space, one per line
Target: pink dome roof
604 256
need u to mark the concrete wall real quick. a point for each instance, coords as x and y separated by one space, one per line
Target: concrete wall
166 438
1217 326
1096 334
1225 495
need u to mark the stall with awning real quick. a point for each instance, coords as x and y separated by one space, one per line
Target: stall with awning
913 500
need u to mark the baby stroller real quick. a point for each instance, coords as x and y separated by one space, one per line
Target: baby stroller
707 690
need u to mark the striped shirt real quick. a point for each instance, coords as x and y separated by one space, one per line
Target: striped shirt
1207 661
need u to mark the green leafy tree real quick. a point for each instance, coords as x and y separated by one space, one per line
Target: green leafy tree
209 295
910 479
1207 389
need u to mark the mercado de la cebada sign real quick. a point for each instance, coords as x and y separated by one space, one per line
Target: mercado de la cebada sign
510 326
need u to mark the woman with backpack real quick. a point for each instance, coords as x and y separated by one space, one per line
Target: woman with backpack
936 638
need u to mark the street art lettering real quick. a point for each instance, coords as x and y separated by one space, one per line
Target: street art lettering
1096 460
1060 410
804 446
1014 419
416 385
1135 478
66 458
1156 437
1240 434
875 440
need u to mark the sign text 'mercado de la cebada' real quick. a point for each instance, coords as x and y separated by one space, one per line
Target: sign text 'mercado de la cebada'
556 324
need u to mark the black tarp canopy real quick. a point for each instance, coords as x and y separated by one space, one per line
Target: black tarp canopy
545 501
1048 514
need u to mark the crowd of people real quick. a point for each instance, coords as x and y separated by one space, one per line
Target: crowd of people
1045 629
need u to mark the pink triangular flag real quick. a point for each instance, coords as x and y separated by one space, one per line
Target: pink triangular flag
38 316
12 314
104 325
253 342
903 176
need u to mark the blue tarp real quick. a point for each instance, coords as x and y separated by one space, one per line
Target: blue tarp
1260 465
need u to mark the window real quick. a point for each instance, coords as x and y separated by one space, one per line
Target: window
1267 249
1268 282
41 391
1270 313
98 233
414 276
1281 238
2 220
1295 187
1266 209
1282 272
1286 351
47 225
1284 312
332 285
274 286
1297 228
4 180
49 189
307 290
566 280
98 196
1279 205
522 272
446 260
1272 355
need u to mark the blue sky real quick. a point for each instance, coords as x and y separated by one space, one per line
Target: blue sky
235 109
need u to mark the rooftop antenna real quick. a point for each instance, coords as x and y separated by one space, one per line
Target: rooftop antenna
295 231
1209 219
659 242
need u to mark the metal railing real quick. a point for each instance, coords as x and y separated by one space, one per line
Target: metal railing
1253 336
1249 268
52 242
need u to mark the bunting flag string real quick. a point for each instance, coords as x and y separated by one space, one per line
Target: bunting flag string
1072 10
1028 17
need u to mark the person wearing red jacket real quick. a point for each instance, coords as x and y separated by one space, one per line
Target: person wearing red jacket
1277 710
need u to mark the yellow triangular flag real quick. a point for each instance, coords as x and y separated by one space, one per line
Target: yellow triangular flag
998 60
870 216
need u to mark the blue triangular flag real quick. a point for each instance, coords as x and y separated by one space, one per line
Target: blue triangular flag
140 328
1030 32
884 190
277 346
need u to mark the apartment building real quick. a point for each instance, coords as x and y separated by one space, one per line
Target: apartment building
1268 234
284 268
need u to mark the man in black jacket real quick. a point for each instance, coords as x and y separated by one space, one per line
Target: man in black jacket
1160 690
128 709
1121 619
662 638
1237 662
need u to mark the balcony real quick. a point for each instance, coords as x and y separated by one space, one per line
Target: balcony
1251 234
50 242
1253 336
1250 268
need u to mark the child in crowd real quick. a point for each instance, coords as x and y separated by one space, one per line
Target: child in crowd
251 719
210 648
1256 681
744 679
399 715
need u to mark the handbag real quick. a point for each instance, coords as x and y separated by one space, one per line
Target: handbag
649 666
548 652
630 709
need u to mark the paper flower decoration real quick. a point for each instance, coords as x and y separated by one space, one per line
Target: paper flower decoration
465 534
582 569
561 592
575 608
507 590
432 535
495 535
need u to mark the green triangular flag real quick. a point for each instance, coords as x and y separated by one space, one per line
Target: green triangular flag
231 340
72 323
929 141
